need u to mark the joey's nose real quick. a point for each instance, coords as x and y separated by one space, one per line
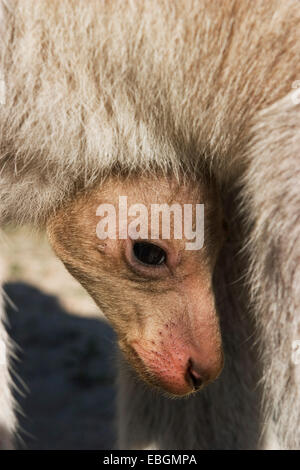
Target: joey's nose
194 376
182 369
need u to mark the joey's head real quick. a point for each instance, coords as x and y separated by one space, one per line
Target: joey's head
141 258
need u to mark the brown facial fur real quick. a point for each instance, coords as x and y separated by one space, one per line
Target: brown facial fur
179 87
161 316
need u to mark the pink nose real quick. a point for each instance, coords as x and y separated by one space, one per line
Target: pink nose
180 370
194 377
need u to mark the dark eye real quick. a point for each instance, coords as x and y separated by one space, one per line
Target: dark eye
150 254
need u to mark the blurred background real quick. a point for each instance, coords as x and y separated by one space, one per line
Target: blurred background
65 367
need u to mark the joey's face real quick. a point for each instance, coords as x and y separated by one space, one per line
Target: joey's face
156 293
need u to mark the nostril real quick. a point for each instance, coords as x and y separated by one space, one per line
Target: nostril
193 376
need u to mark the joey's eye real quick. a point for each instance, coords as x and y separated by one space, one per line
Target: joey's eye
150 254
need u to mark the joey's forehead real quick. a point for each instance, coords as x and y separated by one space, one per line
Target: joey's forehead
149 191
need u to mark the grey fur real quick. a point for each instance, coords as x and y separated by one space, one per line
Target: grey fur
173 86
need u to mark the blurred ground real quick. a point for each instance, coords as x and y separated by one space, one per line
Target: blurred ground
28 257
66 350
